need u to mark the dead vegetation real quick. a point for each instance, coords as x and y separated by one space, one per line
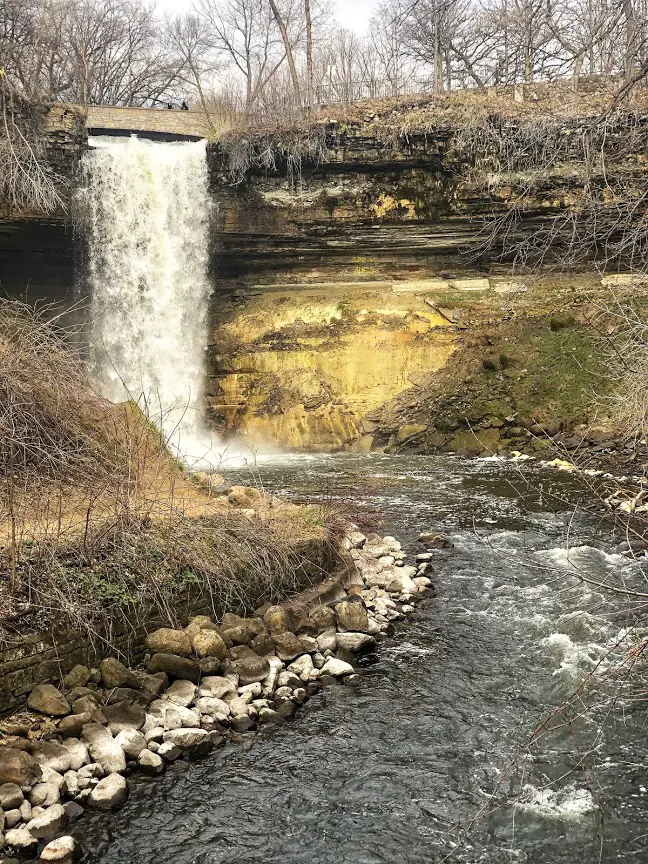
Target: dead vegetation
27 181
98 523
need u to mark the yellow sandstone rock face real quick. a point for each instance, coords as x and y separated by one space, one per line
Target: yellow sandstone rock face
304 366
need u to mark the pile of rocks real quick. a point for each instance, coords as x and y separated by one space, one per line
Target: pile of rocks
202 685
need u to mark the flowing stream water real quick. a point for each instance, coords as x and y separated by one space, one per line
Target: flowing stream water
146 207
424 761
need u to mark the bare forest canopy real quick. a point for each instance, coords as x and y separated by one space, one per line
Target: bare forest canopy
261 58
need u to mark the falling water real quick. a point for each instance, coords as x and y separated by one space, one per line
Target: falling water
147 206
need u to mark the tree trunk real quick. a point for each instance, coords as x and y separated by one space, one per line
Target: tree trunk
289 53
309 53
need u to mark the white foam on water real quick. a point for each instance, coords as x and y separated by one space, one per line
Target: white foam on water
569 804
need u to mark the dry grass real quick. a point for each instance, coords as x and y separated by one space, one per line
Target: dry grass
99 523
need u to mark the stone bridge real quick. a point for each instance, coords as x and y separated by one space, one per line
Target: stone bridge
157 123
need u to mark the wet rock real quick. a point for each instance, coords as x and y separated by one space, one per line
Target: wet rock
287 646
169 751
46 699
276 620
238 706
18 767
208 643
217 686
109 793
358 643
242 723
435 540
74 811
131 742
337 668
194 742
150 763
71 726
286 709
11 796
63 850
104 749
182 693
175 666
124 715
351 615
268 715
168 641
49 824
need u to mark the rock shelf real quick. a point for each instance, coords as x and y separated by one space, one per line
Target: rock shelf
201 686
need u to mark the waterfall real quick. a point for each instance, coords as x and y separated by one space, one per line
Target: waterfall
147 207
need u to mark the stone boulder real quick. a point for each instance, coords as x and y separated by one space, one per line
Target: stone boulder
114 673
358 643
71 726
211 705
181 693
168 641
249 666
217 687
276 619
20 839
287 646
48 824
208 643
63 850
131 742
78 753
109 793
194 742
323 618
11 796
49 754
44 795
337 668
46 699
124 715
78 676
175 666
104 749
150 763
89 705
18 767
351 616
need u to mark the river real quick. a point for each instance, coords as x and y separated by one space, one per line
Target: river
425 760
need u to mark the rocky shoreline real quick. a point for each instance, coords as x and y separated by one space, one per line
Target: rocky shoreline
202 686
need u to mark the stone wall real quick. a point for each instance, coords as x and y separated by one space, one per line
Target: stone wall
175 122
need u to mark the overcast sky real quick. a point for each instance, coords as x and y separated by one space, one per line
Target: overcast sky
353 14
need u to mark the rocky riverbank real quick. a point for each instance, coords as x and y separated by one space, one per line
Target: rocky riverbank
200 687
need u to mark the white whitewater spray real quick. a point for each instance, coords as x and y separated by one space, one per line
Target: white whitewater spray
148 214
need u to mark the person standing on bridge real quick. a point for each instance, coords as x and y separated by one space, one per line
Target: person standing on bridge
184 106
